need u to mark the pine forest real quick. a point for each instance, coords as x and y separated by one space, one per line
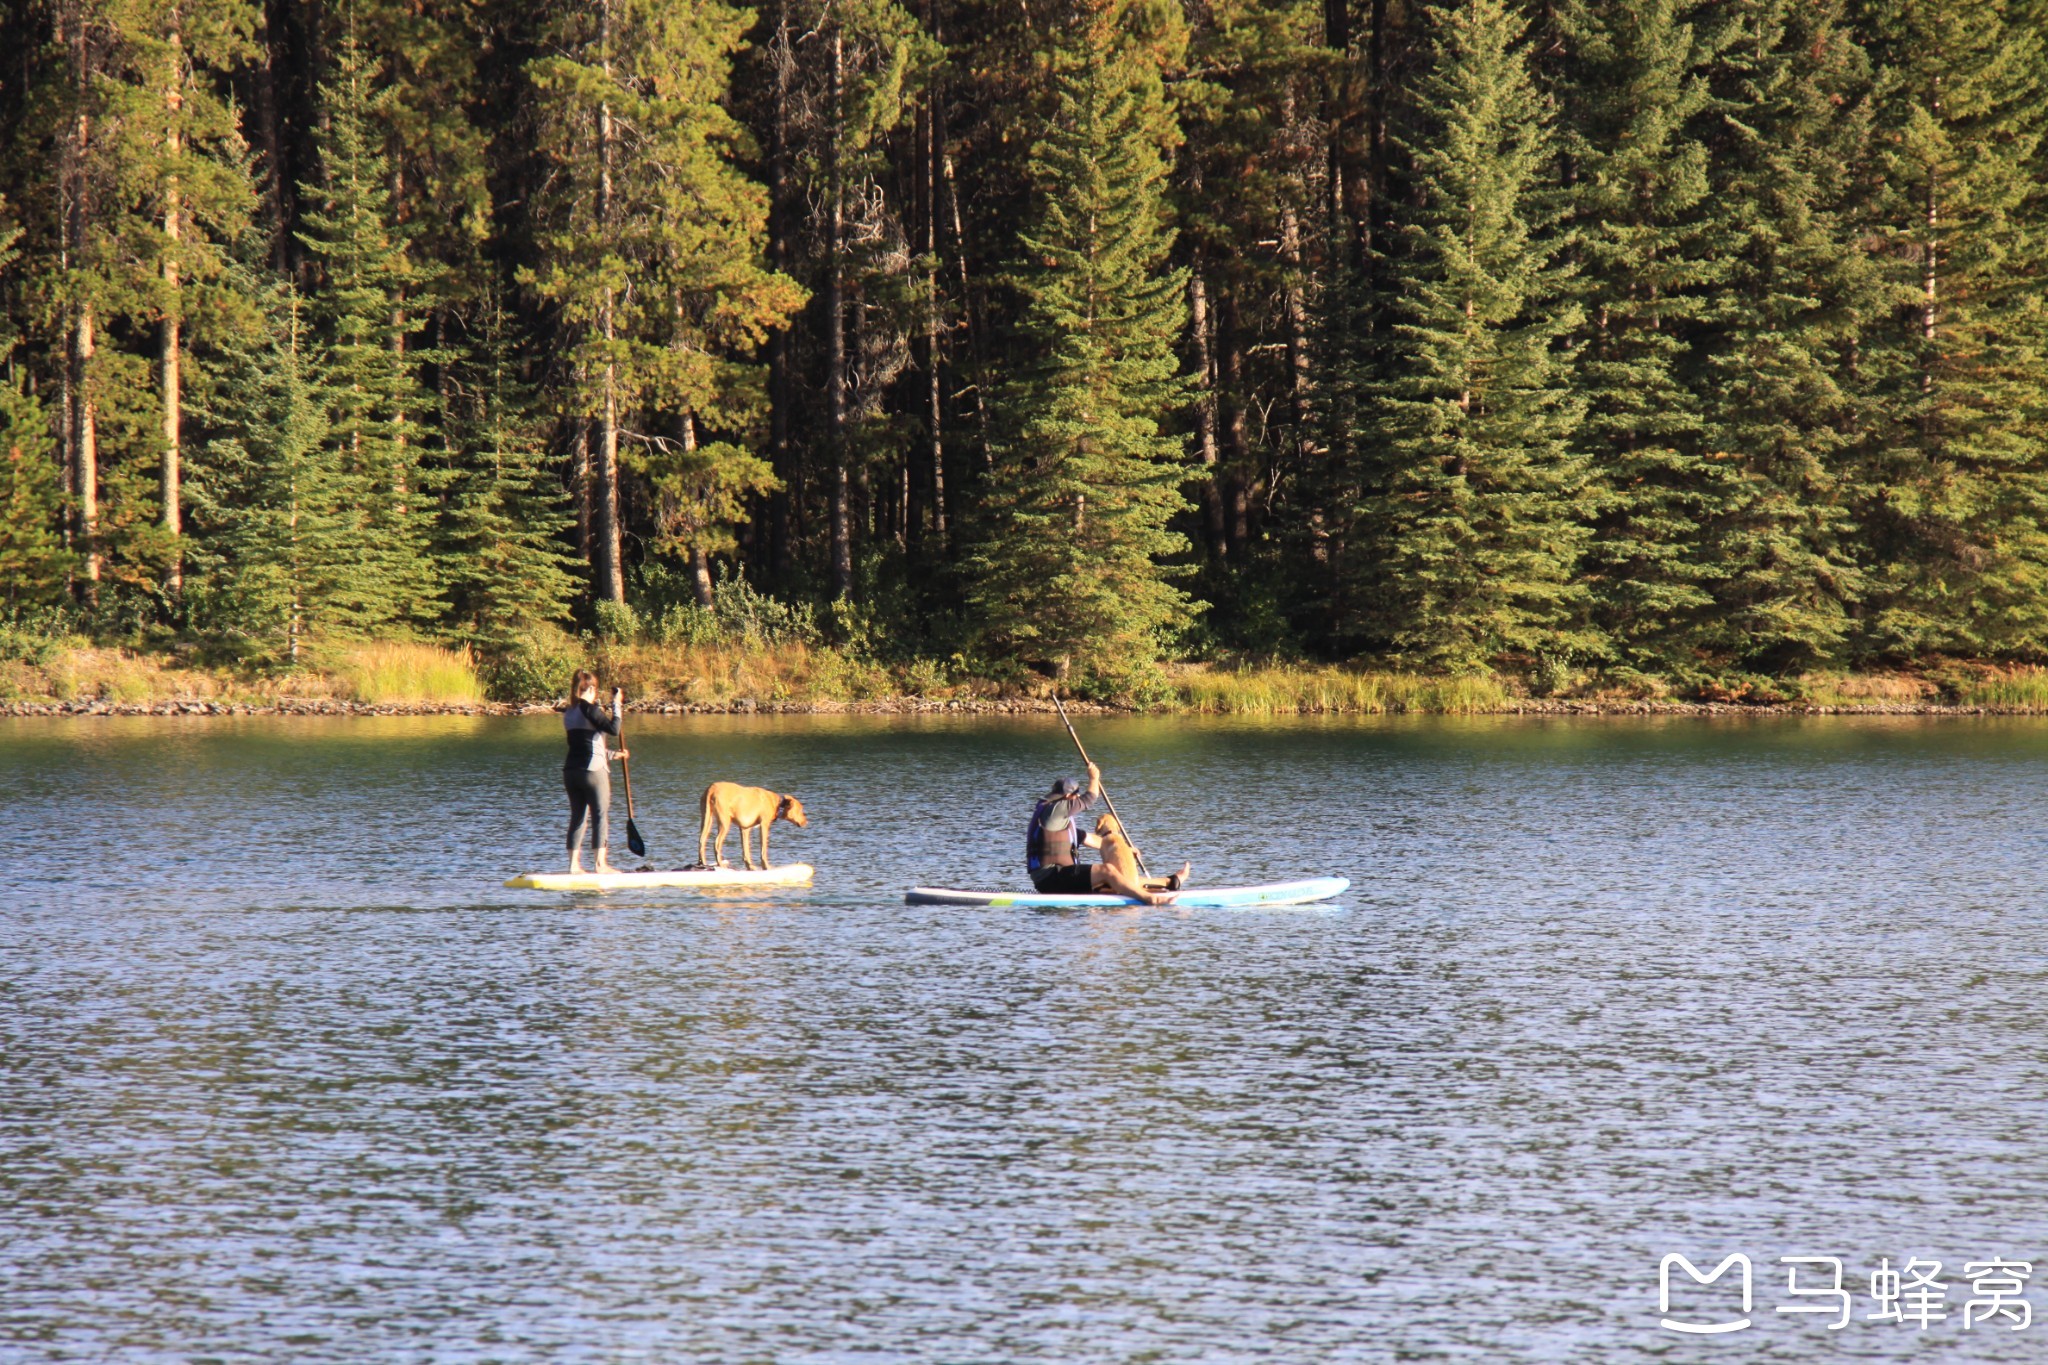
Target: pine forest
1685 347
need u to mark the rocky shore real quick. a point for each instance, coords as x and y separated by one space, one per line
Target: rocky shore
740 706
928 706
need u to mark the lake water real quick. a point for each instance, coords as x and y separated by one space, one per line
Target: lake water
286 1075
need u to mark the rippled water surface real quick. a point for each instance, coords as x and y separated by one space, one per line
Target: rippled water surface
285 1075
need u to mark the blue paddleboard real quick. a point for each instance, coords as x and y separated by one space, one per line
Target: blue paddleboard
1196 898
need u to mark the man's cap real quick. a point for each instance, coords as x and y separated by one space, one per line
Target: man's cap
1065 786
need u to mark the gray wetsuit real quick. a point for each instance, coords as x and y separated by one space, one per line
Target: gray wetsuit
586 772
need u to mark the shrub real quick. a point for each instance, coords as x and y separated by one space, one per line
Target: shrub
617 621
535 666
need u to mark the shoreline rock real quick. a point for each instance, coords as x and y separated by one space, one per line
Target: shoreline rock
180 708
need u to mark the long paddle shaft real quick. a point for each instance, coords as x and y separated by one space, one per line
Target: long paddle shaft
633 839
1099 787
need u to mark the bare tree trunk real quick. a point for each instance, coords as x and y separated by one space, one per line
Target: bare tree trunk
700 563
1930 279
611 578
781 386
835 332
172 341
579 465
84 406
1336 110
85 444
934 381
1306 449
399 435
967 314
1236 491
267 124
1205 403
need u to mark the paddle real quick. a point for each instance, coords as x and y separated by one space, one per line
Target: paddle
1104 790
633 839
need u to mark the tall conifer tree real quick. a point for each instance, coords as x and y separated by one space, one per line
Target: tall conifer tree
1069 566
367 382
651 243
1469 532
1780 400
283 506
34 565
504 555
1636 99
1957 512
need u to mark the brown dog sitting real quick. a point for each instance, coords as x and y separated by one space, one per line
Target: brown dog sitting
1118 853
728 804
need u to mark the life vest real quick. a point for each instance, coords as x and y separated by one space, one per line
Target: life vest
1048 847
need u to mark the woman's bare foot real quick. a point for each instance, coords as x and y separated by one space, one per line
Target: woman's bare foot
604 867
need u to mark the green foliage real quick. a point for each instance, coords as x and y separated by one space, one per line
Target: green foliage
365 382
288 529
739 614
1779 401
617 621
35 566
1649 258
1470 529
651 244
502 534
535 665
1684 346
1956 497
1068 565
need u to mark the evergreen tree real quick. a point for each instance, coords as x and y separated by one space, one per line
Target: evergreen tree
1088 478
1957 507
1636 97
503 544
366 380
35 567
651 245
173 123
1469 529
285 513
1254 236
1775 382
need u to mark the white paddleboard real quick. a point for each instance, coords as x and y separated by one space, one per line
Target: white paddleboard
789 874
1195 898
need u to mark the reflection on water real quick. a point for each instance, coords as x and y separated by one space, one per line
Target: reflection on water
284 1074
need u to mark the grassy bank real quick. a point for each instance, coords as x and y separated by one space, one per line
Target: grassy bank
801 675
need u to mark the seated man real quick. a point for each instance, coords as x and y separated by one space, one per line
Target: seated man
1052 839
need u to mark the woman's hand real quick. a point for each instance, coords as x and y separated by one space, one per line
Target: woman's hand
622 754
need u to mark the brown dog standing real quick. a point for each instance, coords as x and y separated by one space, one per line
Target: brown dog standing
728 804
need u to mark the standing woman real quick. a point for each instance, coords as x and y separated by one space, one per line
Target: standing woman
586 773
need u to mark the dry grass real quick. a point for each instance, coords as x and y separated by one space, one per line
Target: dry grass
1291 691
85 673
1865 689
405 674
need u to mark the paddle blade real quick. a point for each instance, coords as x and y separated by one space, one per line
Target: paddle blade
633 839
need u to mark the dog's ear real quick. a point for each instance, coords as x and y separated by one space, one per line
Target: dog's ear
782 804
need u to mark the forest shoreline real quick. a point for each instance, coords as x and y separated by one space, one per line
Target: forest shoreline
53 678
189 708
